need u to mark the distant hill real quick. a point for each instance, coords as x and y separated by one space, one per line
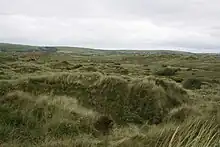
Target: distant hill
7 47
16 47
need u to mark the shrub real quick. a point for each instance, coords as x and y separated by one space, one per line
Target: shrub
90 69
166 71
61 65
164 65
177 79
116 63
192 83
77 66
124 71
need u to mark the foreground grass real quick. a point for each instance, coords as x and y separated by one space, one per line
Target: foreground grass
54 102
28 120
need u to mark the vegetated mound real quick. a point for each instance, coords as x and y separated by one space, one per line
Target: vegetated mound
89 69
200 132
25 117
182 113
177 79
134 100
4 58
137 100
61 65
118 68
165 71
192 83
26 68
64 65
72 84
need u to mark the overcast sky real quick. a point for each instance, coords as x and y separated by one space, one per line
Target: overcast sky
188 25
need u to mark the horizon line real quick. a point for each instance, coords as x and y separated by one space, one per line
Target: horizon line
109 49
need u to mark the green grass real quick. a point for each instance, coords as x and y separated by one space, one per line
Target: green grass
55 99
16 47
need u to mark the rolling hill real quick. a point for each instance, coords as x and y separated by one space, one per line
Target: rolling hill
81 50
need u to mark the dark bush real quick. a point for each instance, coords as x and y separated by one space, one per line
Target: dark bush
166 71
189 69
77 66
90 69
137 100
177 79
192 83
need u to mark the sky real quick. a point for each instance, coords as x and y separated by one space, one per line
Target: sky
186 25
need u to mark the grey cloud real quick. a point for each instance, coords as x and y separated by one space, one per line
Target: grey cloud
192 25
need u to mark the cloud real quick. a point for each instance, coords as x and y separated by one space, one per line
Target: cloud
190 25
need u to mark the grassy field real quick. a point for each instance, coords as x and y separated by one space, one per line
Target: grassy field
154 100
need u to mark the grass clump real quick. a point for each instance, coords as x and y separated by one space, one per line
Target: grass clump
133 100
109 92
27 69
77 66
177 79
5 87
34 118
182 113
137 100
200 132
63 65
166 71
71 84
90 69
192 83
4 58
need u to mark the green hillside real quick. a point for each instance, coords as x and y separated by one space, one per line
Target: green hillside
87 51
116 100
16 47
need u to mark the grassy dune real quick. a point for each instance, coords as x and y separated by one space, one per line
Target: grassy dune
154 100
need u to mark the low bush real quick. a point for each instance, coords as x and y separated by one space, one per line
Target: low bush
89 69
177 79
165 71
77 66
192 83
